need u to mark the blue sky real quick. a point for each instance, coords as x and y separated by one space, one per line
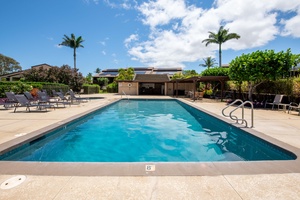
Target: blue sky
123 33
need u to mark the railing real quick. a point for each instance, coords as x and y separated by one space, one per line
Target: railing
125 95
234 117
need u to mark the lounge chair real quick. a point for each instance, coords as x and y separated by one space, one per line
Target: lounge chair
10 101
30 97
62 96
294 106
77 99
54 93
44 98
24 102
276 102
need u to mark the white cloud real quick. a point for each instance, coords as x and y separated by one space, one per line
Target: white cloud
162 11
88 1
131 38
125 4
103 52
177 29
292 25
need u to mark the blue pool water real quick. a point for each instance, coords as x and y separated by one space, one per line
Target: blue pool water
144 131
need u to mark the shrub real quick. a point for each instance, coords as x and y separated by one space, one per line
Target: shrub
112 87
216 71
91 89
13 86
19 87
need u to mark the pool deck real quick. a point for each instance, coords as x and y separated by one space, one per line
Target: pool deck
241 183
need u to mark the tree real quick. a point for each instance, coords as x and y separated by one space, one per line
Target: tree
217 71
260 66
102 81
98 70
221 37
208 62
89 78
73 43
177 75
125 74
189 73
64 74
8 65
184 74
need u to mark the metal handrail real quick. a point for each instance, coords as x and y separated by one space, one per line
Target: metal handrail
233 117
242 105
125 95
237 100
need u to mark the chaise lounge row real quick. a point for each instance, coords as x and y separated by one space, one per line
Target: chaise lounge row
42 102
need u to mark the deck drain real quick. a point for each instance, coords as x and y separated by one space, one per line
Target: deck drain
12 182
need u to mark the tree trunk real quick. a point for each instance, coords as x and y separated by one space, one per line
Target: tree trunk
250 90
74 59
220 55
251 87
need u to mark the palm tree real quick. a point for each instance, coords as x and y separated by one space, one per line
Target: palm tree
74 43
219 38
208 62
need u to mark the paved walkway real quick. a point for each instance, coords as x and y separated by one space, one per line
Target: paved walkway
277 124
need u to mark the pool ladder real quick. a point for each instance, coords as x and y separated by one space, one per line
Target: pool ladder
125 95
234 117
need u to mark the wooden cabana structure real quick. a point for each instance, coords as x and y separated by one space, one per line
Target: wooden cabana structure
194 80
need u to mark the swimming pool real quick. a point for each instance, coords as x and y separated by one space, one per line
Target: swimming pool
148 131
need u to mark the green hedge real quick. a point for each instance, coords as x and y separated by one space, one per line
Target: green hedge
15 86
282 86
112 87
91 89
20 87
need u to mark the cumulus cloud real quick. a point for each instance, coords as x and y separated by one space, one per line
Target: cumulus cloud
292 25
177 28
131 38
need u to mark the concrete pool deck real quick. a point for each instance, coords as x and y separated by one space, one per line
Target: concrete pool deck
272 185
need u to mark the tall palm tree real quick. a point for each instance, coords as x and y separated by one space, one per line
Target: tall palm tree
208 62
73 43
219 38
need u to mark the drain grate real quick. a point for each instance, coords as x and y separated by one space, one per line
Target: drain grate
13 182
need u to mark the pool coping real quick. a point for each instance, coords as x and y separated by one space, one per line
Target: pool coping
147 168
